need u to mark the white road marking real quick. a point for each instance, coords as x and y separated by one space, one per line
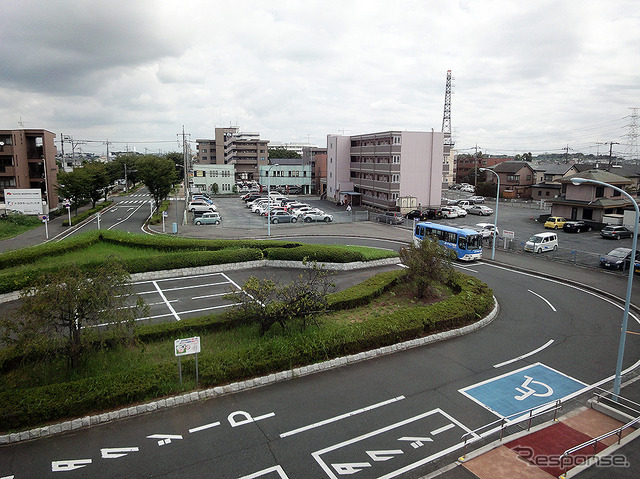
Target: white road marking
442 429
116 452
164 298
264 472
545 345
209 296
543 299
64 466
206 426
342 416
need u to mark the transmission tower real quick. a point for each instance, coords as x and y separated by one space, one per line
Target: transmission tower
631 151
446 117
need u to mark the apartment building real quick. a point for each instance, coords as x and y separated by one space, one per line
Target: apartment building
317 158
28 161
246 151
375 170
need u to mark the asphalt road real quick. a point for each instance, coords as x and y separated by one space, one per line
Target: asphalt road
400 415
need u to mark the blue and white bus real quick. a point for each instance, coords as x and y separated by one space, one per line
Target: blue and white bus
466 243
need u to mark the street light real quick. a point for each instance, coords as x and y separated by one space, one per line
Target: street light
269 199
627 301
495 217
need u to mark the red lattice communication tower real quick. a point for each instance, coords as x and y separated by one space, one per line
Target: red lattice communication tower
446 117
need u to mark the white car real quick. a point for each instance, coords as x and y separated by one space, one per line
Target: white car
461 211
317 216
487 229
304 210
201 207
448 212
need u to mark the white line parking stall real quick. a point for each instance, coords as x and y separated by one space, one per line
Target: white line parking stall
395 449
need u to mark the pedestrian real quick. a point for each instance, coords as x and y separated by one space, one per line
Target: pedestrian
349 207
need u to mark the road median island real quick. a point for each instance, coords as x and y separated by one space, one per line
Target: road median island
36 392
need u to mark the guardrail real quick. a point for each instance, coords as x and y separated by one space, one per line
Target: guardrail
501 424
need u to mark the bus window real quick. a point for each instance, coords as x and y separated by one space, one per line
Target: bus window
462 242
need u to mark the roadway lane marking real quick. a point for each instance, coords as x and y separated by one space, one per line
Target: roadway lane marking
543 299
122 221
264 472
342 416
545 345
209 296
206 426
164 298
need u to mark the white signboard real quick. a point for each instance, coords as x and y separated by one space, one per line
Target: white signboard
187 346
508 234
28 202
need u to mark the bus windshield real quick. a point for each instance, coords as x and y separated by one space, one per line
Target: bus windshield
470 242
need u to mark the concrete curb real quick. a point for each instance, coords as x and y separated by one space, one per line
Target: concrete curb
231 388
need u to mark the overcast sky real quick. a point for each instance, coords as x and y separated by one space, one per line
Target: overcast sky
528 76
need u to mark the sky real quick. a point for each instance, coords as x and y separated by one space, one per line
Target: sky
534 77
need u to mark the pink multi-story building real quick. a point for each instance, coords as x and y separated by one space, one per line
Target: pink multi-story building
375 170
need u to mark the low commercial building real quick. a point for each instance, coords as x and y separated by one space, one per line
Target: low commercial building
205 176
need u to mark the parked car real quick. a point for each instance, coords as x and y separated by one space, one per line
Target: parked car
555 222
479 210
303 210
390 218
433 213
251 197
317 216
283 217
417 215
616 232
468 189
487 229
619 258
201 207
208 219
461 211
542 242
466 204
576 226
448 212
476 199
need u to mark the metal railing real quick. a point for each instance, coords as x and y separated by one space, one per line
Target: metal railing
501 424
595 441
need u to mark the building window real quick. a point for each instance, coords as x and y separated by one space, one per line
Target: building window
616 193
599 191
513 177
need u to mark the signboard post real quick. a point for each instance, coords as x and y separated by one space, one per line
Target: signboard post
183 347
45 220
68 207
164 215
508 235
27 202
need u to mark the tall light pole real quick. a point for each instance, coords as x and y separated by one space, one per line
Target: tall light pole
627 301
269 199
495 217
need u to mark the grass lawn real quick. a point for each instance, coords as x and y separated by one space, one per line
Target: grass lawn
14 225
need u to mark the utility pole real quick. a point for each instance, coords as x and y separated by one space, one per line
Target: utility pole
107 143
185 155
611 143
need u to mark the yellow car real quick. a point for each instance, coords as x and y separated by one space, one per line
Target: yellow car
555 222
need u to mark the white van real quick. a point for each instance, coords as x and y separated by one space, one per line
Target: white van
542 242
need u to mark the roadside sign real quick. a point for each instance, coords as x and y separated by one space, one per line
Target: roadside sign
165 214
187 346
25 201
508 234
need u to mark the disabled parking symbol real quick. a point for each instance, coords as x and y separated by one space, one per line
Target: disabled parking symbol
523 389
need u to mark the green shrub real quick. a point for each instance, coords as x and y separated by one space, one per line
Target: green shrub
319 253
364 292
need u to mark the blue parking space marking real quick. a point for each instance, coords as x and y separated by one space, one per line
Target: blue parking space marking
523 389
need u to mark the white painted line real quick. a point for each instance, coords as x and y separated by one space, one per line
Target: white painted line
179 278
545 345
264 472
206 426
435 432
164 298
134 210
342 416
543 299
209 296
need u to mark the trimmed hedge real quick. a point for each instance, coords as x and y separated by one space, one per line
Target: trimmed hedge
364 292
30 407
319 253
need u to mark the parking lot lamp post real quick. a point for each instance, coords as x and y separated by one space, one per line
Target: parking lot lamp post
627 301
495 217
269 199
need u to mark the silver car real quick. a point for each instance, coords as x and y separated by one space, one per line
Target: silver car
208 219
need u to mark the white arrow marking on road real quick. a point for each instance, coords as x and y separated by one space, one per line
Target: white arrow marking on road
164 438
63 466
247 418
435 432
116 452
384 455
348 469
7 477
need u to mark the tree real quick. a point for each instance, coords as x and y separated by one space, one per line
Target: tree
214 188
66 306
116 169
73 186
158 175
524 157
281 152
96 174
428 264
266 302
